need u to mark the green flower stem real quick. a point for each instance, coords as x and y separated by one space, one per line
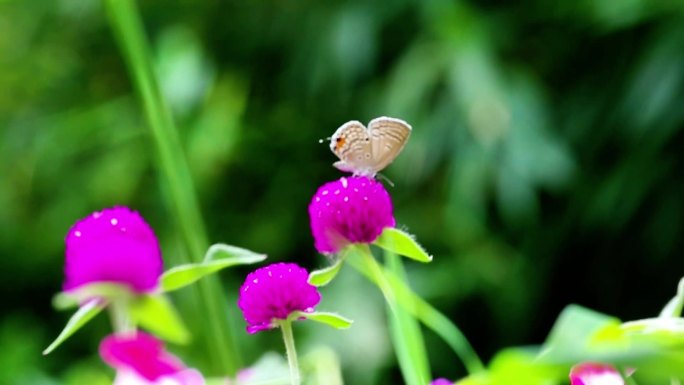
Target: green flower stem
288 337
420 309
409 347
120 316
127 26
406 329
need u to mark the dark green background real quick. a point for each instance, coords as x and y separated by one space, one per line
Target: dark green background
546 164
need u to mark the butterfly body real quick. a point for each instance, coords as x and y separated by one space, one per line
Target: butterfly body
367 150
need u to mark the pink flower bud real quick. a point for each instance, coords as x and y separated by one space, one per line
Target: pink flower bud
114 245
349 210
274 292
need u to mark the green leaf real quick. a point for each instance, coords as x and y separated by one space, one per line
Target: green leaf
675 305
406 333
662 330
156 314
323 276
64 301
84 314
85 293
522 365
240 255
331 319
577 332
399 242
218 257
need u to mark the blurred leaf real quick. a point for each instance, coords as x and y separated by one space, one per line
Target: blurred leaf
218 257
571 335
270 369
322 277
407 336
184 71
84 314
402 243
156 314
333 320
674 307
520 365
85 372
100 290
239 255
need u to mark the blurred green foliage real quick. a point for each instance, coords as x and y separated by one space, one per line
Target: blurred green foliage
546 164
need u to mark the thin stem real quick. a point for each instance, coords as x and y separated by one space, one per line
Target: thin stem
406 330
121 320
423 311
127 26
288 337
414 368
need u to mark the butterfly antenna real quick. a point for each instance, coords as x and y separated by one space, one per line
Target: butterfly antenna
385 179
321 141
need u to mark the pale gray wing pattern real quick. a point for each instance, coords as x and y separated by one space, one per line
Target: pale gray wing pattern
388 137
351 143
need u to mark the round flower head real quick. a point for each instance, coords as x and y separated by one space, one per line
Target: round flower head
114 245
140 359
349 210
273 292
441 381
589 373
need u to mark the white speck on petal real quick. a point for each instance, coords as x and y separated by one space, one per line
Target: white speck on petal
114 221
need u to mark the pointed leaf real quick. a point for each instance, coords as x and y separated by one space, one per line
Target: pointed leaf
575 331
675 305
223 251
156 314
64 301
184 275
331 319
323 276
84 314
72 298
402 243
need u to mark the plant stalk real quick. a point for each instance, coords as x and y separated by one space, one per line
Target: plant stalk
288 337
124 18
419 308
413 366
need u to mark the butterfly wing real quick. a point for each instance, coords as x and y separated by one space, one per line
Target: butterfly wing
388 136
351 143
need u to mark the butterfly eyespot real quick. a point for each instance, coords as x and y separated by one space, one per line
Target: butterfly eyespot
367 155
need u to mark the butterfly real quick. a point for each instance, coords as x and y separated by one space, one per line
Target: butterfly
365 151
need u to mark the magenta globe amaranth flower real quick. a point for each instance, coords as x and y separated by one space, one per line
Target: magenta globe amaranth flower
590 373
349 210
441 381
274 292
114 245
140 359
